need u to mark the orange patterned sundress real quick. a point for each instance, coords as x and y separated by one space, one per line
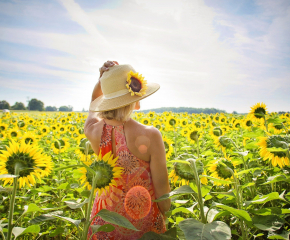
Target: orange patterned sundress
133 195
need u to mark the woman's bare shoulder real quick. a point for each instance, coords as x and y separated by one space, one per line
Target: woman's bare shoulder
149 131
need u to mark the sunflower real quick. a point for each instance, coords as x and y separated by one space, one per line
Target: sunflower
2 135
3 127
247 123
157 124
258 111
29 138
184 122
237 124
193 134
220 169
276 149
216 132
44 130
171 122
82 147
146 121
60 145
184 131
136 84
32 162
275 128
223 142
106 173
183 173
13 133
222 120
168 147
151 114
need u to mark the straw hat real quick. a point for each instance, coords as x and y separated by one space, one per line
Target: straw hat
121 86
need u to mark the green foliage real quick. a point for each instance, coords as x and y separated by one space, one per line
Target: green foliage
4 105
51 109
35 104
18 106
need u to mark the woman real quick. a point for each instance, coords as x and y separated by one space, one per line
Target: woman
139 148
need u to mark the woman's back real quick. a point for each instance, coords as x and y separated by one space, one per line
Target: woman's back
138 137
133 193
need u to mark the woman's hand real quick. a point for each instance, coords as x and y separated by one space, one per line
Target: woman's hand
106 66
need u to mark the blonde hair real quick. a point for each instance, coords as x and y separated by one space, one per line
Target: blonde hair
120 114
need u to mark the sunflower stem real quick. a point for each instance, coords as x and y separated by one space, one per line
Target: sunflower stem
197 143
266 125
12 202
239 202
87 222
199 195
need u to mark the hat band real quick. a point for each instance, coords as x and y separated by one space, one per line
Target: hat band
116 94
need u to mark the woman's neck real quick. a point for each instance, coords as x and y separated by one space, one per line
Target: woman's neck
115 122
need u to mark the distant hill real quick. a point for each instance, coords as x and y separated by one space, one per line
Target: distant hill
185 109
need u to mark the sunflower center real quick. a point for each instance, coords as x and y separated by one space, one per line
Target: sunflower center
249 123
2 128
172 121
28 140
278 126
26 161
21 124
13 134
260 112
135 85
223 171
104 174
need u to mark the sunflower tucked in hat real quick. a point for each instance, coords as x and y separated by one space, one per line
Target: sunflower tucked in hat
121 86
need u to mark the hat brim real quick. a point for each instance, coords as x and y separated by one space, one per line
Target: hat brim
102 104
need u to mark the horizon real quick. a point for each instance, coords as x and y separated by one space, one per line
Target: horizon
226 55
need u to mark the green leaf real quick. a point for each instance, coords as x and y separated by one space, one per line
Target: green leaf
205 189
8 176
267 211
62 186
185 189
31 208
265 198
86 193
268 223
277 149
251 146
75 222
256 133
241 214
74 205
284 235
17 231
180 161
115 218
243 153
59 230
248 185
180 209
102 228
45 217
216 179
193 230
275 120
67 167
277 178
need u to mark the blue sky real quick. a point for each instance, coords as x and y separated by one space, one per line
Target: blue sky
224 54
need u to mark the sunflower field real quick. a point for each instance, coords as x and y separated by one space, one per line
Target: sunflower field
229 176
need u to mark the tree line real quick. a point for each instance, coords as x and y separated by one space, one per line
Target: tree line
185 109
34 105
